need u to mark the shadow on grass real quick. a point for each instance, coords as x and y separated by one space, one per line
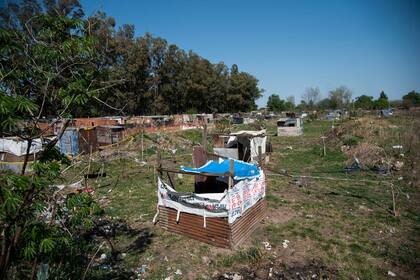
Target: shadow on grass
109 232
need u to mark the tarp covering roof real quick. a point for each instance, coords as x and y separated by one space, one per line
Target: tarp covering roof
18 147
249 133
241 169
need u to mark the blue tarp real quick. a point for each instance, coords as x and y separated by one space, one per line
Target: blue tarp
241 170
69 142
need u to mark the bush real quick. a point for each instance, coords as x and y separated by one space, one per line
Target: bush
350 140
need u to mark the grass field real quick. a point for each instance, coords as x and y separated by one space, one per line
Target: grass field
336 225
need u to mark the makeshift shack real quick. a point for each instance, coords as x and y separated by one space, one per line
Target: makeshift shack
76 141
224 219
244 145
109 134
386 112
13 152
289 127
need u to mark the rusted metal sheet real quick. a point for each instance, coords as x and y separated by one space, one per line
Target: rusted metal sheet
218 231
109 134
88 140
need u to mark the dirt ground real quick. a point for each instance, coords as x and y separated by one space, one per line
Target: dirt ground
330 224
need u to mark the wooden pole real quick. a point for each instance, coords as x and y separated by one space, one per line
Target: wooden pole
204 140
159 162
323 142
260 160
142 144
231 173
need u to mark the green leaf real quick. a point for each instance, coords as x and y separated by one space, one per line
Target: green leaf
46 245
29 251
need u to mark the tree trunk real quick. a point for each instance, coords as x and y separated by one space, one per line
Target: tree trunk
25 162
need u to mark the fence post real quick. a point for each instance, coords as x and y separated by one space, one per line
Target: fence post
231 172
260 157
204 140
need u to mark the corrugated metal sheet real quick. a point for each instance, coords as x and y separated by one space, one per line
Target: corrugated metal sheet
218 231
88 140
69 142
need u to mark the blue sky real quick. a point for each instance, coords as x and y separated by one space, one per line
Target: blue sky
366 45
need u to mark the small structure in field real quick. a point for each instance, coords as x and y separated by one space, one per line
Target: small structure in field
225 218
386 112
289 127
75 141
13 152
245 145
109 134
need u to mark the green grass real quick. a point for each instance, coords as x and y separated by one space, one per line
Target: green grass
345 225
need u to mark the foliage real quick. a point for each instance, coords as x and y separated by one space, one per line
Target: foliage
324 104
275 103
411 99
364 102
49 67
340 97
382 102
152 76
290 103
311 97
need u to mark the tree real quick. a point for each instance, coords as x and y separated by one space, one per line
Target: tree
311 96
290 103
340 97
411 99
364 102
382 102
275 104
383 95
48 67
324 104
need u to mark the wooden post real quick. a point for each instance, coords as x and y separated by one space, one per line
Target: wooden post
260 161
323 142
142 144
159 161
231 173
204 140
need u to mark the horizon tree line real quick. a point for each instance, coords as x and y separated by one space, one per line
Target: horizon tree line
340 98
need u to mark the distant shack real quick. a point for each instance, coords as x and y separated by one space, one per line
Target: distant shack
77 141
109 134
289 127
245 145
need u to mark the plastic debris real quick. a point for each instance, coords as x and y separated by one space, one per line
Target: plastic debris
355 166
142 269
397 147
103 256
285 243
267 245
392 274
270 273
398 165
236 277
178 272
